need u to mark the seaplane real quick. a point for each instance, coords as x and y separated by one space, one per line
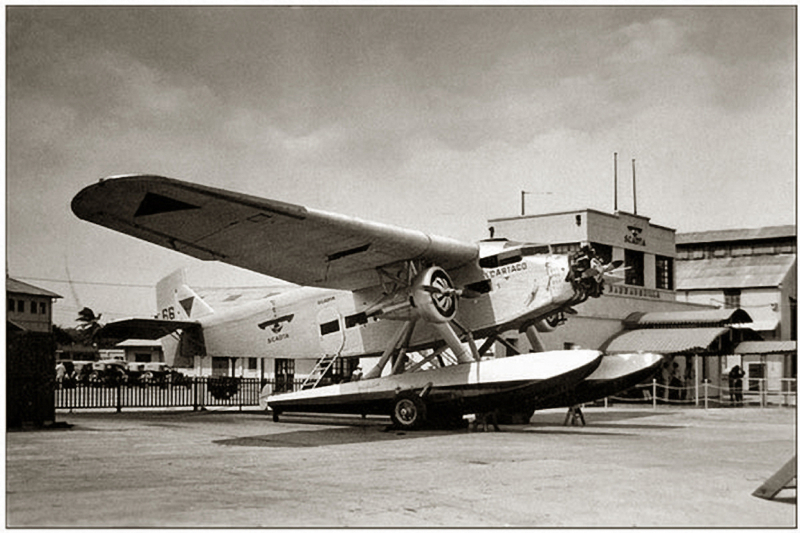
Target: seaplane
427 308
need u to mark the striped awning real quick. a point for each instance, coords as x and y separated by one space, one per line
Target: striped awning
703 317
665 340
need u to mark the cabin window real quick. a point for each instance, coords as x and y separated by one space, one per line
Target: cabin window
329 327
355 320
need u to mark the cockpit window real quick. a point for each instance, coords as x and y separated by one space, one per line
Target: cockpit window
494 261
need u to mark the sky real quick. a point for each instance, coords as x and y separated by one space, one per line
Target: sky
430 118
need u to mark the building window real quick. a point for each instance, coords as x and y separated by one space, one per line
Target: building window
252 363
11 305
664 273
284 375
220 366
42 308
33 308
20 306
604 252
756 372
733 298
634 264
566 248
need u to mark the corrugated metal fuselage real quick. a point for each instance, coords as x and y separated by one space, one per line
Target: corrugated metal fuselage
310 322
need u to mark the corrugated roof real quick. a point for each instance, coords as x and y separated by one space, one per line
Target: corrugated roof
13 285
703 317
139 343
765 347
751 234
665 341
733 272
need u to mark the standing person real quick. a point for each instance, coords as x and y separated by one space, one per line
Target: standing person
675 382
61 372
735 382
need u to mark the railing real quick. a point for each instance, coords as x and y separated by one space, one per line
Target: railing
708 395
197 393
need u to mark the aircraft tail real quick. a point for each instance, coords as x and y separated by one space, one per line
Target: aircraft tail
177 301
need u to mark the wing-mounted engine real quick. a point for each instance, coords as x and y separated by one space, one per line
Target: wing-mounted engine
433 296
429 297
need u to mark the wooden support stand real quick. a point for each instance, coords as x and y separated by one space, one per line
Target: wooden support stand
574 415
780 480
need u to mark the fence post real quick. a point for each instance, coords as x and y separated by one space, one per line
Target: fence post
194 393
761 392
705 393
119 396
654 393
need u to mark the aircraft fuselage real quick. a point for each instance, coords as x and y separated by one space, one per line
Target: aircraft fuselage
310 322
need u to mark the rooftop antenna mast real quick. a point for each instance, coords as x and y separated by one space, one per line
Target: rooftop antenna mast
633 166
615 182
522 198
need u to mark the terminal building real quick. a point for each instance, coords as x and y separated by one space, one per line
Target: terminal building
688 297
647 283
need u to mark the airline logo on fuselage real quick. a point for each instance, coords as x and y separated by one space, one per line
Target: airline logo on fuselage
508 269
276 326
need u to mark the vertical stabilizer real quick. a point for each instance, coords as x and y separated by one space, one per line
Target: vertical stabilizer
177 301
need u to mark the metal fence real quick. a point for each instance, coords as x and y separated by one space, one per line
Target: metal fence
203 392
197 393
760 392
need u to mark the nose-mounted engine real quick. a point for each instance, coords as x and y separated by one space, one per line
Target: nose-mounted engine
586 273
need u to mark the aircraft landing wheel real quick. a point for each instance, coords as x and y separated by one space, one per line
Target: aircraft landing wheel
408 411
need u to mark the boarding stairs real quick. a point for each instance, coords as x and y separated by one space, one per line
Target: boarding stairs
318 372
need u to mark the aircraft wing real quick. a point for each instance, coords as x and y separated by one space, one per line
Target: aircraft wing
294 243
143 328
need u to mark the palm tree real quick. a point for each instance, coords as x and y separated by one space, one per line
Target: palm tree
89 324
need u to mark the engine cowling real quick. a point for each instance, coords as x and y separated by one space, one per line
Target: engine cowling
433 296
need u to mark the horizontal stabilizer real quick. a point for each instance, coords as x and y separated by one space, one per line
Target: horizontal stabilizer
143 328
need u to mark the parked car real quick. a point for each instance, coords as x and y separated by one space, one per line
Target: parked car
135 371
162 375
108 372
